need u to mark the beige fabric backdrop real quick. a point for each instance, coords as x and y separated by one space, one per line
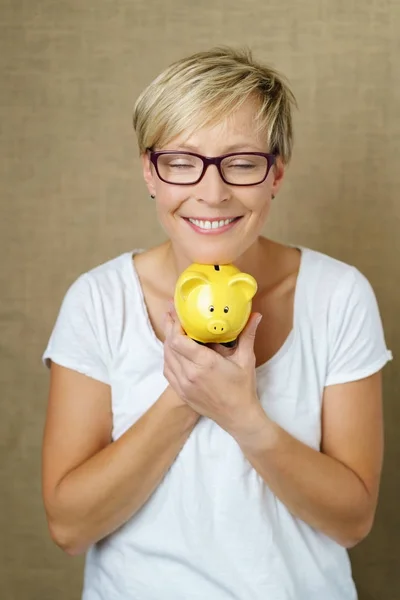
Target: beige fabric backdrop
72 197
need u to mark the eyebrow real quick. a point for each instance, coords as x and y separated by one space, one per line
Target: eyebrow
245 147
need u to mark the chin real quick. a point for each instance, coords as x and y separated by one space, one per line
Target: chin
213 256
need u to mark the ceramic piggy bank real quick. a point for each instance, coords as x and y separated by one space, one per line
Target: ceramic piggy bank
213 302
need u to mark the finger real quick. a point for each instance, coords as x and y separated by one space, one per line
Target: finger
222 350
172 379
172 327
192 351
177 342
171 308
172 360
168 325
176 325
247 338
182 344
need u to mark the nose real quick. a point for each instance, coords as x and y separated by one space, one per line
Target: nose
212 189
217 326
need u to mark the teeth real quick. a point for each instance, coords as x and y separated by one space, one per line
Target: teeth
210 224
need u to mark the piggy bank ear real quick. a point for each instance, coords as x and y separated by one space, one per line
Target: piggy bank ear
189 281
246 283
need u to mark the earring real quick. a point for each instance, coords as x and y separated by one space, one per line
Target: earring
273 196
152 196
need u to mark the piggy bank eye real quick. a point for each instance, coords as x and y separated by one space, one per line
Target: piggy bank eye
211 308
226 309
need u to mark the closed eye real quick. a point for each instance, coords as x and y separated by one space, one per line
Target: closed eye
242 166
181 166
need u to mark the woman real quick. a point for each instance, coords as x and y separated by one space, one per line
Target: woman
190 471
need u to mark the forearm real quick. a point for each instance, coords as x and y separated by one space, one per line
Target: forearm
104 492
315 487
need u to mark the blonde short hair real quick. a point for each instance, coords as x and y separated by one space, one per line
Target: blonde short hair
207 87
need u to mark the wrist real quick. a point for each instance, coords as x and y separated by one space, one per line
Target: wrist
174 402
252 428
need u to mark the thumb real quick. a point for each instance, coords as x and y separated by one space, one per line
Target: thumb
248 335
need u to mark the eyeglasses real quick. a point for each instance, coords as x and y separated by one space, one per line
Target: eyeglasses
188 168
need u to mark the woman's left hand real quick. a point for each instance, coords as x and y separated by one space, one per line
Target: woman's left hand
220 385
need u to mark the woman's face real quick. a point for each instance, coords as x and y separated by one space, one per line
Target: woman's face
212 198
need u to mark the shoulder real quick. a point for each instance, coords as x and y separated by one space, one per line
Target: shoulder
100 294
341 297
106 279
320 265
117 271
332 279
339 305
335 294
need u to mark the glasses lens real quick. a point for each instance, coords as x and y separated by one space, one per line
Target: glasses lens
179 168
244 169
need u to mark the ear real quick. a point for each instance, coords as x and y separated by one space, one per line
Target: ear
148 173
245 282
188 281
279 172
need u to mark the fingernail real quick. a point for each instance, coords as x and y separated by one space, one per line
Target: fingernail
258 320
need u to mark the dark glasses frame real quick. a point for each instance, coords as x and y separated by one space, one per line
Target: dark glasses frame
208 160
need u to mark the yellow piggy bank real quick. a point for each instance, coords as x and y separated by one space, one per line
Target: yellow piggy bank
213 302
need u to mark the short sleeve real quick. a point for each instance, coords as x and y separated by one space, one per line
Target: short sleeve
356 341
76 341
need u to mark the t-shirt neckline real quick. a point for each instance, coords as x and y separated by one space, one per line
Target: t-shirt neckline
281 352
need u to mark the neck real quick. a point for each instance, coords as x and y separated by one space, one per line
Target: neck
258 260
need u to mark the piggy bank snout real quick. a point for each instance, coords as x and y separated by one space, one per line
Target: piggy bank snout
217 326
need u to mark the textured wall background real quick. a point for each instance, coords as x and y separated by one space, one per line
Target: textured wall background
72 197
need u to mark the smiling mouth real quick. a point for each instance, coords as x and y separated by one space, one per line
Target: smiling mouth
215 224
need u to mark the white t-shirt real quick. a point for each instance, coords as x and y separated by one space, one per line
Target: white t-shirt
213 530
